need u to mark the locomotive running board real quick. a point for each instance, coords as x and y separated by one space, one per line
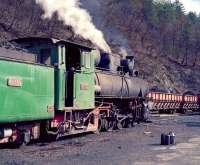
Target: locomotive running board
69 109
74 132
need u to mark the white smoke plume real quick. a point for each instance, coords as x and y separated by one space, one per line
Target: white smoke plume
78 18
123 52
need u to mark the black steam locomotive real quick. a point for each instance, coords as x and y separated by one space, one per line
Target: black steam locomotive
117 82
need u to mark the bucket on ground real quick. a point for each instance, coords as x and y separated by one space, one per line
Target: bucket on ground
168 139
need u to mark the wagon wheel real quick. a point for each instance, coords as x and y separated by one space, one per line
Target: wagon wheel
183 111
172 111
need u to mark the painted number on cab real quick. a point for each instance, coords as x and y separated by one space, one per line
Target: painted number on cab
14 82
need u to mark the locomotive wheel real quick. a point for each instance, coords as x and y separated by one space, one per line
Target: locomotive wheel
106 125
114 127
119 125
110 125
103 125
53 138
23 139
123 124
132 123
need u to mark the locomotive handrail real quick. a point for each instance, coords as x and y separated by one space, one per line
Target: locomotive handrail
80 71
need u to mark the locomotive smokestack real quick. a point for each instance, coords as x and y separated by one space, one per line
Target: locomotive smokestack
78 18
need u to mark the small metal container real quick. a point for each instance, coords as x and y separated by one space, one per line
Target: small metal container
163 139
172 138
167 140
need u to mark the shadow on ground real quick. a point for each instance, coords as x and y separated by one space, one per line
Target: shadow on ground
192 124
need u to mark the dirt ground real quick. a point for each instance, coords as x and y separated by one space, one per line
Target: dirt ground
139 145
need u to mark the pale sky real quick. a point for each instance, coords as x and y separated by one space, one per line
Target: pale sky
191 5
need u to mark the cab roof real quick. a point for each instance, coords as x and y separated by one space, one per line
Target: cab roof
51 40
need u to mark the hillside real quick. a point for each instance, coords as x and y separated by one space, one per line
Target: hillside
165 41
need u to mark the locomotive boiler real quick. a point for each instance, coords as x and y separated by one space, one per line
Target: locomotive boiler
113 85
118 79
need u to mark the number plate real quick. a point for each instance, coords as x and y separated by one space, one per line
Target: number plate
84 86
14 82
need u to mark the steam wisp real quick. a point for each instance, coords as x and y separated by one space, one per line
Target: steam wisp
78 18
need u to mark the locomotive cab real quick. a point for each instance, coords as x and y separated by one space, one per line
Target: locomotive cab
74 86
74 70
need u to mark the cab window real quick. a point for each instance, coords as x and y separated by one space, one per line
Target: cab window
45 57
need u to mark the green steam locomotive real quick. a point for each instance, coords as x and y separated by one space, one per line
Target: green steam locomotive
57 88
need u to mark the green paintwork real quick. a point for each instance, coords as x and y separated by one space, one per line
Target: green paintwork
60 83
59 89
84 98
30 100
